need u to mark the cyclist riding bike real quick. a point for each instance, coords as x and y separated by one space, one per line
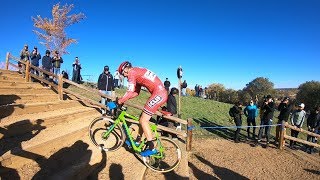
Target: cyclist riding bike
138 77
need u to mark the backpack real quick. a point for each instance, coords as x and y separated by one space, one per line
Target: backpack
231 112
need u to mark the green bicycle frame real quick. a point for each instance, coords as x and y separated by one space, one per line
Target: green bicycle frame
122 118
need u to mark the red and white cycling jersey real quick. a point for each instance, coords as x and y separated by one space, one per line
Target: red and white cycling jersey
138 77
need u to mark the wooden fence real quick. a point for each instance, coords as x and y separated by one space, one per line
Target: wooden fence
284 136
61 90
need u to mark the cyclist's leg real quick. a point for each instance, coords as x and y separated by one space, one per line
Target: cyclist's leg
156 100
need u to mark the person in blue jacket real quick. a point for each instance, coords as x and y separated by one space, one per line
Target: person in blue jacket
251 112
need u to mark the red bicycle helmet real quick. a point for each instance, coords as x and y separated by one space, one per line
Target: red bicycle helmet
123 66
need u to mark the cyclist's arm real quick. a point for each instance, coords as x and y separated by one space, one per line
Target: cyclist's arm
133 91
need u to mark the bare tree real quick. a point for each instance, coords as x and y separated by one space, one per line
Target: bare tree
54 35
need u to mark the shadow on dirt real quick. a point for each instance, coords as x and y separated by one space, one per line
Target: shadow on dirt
74 158
14 134
115 172
220 172
7 105
313 171
217 129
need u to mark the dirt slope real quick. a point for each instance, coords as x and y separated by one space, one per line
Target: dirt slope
223 159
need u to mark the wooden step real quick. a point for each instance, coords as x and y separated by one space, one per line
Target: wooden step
12 90
8 84
18 109
27 98
15 75
8 72
42 142
13 79
25 123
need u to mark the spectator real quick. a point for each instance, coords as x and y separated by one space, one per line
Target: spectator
35 57
24 56
105 86
313 123
267 116
172 108
116 79
56 62
47 64
235 112
297 118
200 91
167 84
66 76
121 81
196 89
285 108
184 88
76 71
251 112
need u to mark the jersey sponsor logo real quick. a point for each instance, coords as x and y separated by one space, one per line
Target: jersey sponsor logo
154 101
150 75
130 87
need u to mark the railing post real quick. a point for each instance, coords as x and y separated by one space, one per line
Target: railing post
282 133
189 134
60 86
7 60
27 71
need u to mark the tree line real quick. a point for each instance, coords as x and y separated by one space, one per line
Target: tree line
308 92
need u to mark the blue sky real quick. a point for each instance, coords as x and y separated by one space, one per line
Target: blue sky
215 41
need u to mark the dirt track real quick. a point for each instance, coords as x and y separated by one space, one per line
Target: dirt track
223 159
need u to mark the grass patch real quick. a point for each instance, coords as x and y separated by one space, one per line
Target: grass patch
204 112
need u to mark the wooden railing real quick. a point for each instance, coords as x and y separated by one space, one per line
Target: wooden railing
59 88
284 136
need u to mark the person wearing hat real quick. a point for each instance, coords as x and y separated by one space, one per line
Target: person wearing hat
35 57
313 124
268 108
47 64
236 113
297 119
24 56
285 108
76 71
105 85
56 62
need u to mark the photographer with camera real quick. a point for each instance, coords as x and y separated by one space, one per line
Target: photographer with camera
35 57
56 62
285 108
268 108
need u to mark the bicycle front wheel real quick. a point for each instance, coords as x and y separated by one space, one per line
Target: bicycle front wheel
97 129
167 159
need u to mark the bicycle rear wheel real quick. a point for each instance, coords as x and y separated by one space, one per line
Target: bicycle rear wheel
99 126
171 156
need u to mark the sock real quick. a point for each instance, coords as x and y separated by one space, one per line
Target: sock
150 145
138 139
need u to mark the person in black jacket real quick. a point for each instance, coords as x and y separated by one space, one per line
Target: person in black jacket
47 64
285 108
35 57
167 84
313 123
268 108
172 108
172 102
105 85
236 113
76 71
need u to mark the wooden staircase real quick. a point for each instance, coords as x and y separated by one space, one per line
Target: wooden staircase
42 137
37 127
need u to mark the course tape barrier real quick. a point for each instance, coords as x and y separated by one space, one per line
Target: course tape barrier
229 127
